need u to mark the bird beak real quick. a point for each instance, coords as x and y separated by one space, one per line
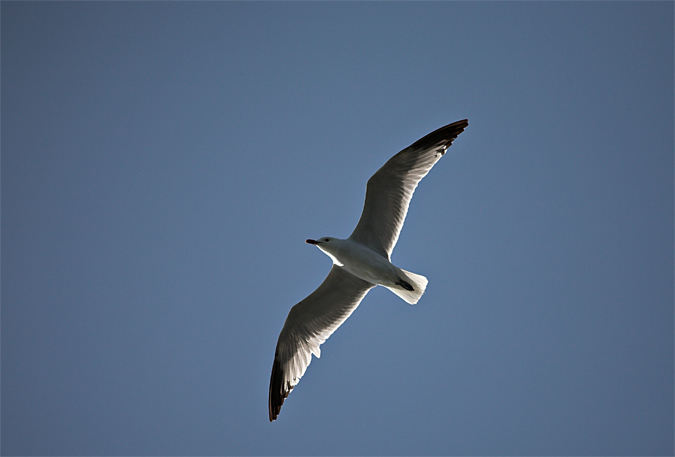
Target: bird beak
314 242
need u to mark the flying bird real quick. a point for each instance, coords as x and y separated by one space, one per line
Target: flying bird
360 263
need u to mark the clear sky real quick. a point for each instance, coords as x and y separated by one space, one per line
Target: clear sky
163 163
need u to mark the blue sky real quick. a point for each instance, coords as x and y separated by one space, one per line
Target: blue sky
162 164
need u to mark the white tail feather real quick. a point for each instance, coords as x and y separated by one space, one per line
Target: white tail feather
419 284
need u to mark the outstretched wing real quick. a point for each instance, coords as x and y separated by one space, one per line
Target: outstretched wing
308 325
390 189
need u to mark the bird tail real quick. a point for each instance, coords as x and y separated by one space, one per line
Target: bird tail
411 287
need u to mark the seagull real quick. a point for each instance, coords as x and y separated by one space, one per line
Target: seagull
360 263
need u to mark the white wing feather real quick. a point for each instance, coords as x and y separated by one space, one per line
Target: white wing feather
308 325
391 188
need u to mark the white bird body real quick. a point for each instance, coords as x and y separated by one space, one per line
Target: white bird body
372 267
360 263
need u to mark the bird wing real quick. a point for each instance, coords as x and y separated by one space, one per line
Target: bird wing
308 325
390 189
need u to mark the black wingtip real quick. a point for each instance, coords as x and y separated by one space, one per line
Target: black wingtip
441 138
278 392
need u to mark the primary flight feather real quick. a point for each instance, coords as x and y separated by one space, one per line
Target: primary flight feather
360 262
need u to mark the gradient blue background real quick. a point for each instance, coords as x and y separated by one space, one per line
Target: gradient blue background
162 164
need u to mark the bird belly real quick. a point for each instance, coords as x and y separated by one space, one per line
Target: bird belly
370 266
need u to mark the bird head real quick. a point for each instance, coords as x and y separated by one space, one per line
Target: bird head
322 242
328 245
